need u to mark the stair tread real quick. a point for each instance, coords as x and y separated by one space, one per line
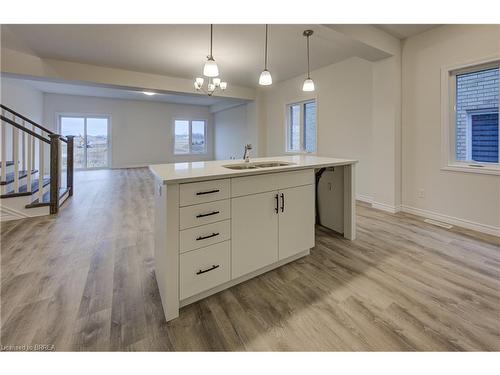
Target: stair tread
8 163
23 189
45 199
9 178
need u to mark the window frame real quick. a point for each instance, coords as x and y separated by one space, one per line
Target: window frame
85 116
302 104
190 132
448 117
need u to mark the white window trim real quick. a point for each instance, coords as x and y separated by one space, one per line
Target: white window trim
190 121
89 115
448 125
301 126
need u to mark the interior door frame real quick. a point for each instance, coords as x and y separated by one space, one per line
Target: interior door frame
85 116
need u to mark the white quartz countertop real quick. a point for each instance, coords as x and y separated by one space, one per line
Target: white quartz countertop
175 173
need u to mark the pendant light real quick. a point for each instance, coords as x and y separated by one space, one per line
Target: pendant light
308 83
210 69
265 78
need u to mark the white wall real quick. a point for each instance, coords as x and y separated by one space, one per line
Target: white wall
344 114
386 134
141 132
23 99
467 196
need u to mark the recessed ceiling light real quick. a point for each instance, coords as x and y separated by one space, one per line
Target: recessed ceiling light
149 93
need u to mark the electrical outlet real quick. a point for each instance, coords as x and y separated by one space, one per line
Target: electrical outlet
421 193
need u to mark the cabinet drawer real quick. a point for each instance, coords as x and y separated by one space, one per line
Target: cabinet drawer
206 213
202 192
204 269
204 235
272 181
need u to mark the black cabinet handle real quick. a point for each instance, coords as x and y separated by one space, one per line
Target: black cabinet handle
282 202
207 192
205 237
277 204
209 214
208 269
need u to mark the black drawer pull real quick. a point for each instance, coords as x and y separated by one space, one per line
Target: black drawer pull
277 204
282 202
205 237
208 269
207 192
209 214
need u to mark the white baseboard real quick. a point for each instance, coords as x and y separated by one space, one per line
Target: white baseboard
364 198
7 214
483 228
386 207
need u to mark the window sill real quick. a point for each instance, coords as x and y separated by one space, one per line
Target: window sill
492 170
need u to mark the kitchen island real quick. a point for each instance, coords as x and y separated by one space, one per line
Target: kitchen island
219 223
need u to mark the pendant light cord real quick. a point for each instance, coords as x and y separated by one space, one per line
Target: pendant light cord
265 58
308 70
211 39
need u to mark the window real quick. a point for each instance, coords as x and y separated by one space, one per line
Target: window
472 118
190 136
91 142
301 127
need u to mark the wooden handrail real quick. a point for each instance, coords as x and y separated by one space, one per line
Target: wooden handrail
64 139
26 119
54 140
30 132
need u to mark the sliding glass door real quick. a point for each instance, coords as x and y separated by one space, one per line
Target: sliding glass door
91 148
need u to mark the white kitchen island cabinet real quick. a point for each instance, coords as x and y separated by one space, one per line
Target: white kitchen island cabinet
216 227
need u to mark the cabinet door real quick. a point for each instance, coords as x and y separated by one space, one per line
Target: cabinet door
296 220
254 232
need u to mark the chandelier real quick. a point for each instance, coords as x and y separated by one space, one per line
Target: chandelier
211 71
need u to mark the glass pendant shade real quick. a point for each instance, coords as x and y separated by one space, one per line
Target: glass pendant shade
265 78
223 85
216 81
210 69
308 85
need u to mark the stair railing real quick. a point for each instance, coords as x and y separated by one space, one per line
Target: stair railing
26 137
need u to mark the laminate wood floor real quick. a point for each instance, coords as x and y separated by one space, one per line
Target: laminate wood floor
84 280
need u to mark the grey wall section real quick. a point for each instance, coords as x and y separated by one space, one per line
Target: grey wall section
344 115
233 129
141 132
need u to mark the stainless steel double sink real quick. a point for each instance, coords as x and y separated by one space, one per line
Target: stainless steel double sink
262 164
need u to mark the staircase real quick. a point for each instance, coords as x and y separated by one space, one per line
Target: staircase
36 167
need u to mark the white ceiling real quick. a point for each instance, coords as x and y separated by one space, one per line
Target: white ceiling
124 93
406 30
180 50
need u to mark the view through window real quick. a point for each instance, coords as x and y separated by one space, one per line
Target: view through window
91 143
301 127
190 136
477 98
